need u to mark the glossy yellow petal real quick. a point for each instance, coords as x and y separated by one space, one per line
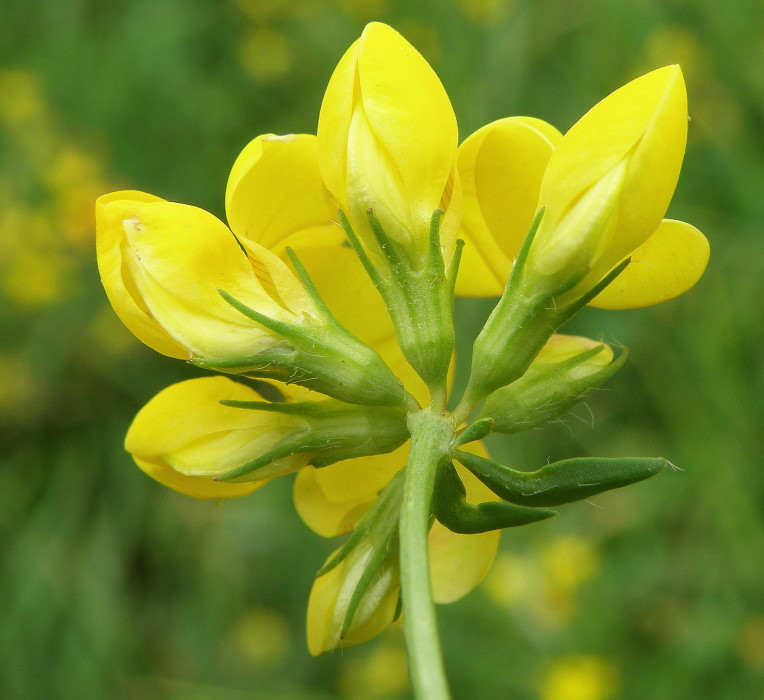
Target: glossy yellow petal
611 178
332 499
275 193
669 263
387 136
194 486
168 244
187 428
278 280
458 563
501 167
117 281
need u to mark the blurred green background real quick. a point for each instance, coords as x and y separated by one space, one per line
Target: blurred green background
114 587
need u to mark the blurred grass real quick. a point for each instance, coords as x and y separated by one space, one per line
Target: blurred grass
114 587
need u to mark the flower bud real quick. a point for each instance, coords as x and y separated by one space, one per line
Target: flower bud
566 369
246 312
355 594
204 436
608 184
387 139
355 600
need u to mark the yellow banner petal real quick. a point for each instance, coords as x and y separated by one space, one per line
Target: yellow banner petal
501 167
634 140
182 412
275 191
669 263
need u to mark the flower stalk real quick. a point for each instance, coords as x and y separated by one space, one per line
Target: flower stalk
431 434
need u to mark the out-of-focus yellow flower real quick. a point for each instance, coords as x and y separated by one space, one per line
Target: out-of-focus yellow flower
266 54
542 584
383 673
569 561
262 636
583 677
750 642
47 185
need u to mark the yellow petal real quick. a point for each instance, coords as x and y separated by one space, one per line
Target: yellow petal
179 257
642 127
194 486
321 609
332 499
458 563
275 192
669 263
501 167
186 427
118 283
387 135
278 281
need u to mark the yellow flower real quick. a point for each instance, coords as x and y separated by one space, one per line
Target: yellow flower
246 311
598 235
603 187
387 140
582 677
237 300
202 436
500 167
275 199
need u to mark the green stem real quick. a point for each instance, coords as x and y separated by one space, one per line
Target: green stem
431 435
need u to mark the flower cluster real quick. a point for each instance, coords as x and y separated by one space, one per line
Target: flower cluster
335 284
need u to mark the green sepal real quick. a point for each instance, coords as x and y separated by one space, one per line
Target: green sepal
561 482
546 391
481 428
515 274
329 431
341 554
519 326
378 561
418 294
326 358
371 552
452 510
